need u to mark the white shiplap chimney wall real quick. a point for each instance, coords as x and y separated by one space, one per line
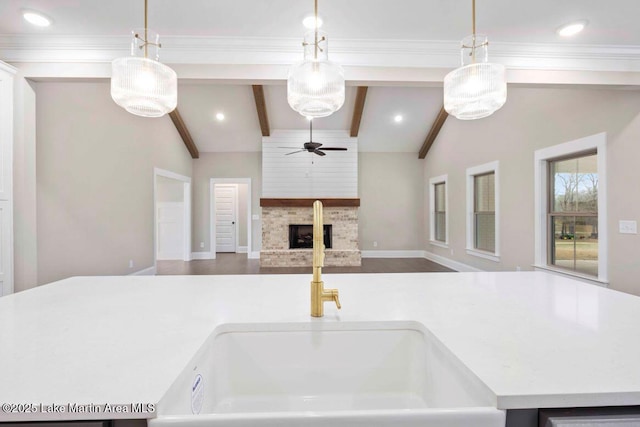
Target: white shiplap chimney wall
307 175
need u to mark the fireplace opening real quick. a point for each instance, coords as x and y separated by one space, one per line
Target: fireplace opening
301 236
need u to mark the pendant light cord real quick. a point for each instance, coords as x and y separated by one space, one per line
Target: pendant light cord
473 21
315 50
146 35
473 30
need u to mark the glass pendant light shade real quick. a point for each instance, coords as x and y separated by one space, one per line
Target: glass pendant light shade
478 88
315 86
142 85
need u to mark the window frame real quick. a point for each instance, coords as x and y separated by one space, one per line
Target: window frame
542 159
471 173
551 213
442 179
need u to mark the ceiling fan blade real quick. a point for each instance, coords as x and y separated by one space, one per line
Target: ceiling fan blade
319 153
294 152
292 148
334 149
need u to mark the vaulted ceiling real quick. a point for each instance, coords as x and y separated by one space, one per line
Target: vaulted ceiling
400 49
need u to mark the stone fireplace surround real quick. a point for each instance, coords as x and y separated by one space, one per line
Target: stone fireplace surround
278 214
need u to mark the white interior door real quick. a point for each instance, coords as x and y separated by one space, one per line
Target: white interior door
170 231
226 196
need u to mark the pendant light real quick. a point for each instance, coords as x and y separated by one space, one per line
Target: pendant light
315 86
478 88
139 83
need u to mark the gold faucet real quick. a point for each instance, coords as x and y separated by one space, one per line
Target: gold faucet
318 293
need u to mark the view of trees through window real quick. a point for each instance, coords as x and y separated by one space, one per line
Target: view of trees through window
573 213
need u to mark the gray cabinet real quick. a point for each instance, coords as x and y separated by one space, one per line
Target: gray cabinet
618 416
590 417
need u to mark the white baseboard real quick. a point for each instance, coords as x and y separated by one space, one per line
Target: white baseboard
151 271
454 265
254 255
392 254
169 257
241 250
201 255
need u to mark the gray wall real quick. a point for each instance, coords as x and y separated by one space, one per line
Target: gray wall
534 119
224 165
95 181
391 191
243 201
25 245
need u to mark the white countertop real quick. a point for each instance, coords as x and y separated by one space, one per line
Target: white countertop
535 339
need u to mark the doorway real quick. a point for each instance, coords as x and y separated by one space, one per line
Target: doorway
230 219
172 216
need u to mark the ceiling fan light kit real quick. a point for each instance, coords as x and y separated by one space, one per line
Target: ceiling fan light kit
316 86
478 88
140 83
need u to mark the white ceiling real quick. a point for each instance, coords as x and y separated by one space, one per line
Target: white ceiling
239 131
418 108
402 30
611 22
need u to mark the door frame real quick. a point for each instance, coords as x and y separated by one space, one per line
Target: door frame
212 212
186 200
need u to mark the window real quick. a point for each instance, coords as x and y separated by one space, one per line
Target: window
438 199
482 211
440 213
572 226
571 235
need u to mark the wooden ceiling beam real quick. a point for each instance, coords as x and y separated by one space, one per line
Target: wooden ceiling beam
433 133
361 96
176 118
261 107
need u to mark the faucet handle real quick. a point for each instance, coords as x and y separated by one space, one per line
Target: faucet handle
334 294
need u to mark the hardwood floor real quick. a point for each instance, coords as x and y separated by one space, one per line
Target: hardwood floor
239 264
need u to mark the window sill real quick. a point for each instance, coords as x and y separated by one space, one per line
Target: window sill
439 244
483 254
572 275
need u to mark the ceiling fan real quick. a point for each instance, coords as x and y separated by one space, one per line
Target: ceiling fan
314 147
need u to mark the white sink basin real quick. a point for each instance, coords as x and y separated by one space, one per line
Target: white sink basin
327 373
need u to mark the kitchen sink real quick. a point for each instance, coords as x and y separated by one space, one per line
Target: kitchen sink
327 373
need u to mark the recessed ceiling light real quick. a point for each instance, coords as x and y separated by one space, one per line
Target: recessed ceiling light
220 117
310 22
36 18
571 29
398 118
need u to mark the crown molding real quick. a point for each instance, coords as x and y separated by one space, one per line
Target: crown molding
347 52
568 57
